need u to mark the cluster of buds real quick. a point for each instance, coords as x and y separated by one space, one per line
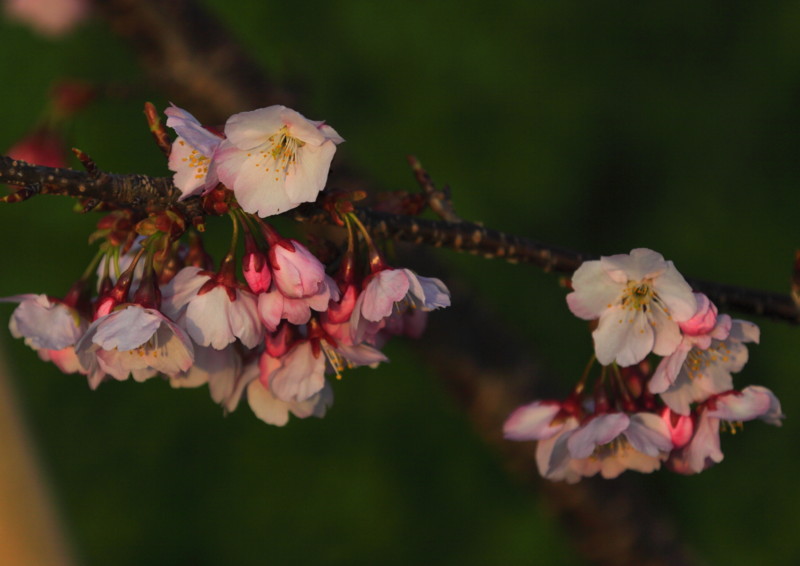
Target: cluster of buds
268 325
639 414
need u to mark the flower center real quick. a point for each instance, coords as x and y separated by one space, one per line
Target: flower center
617 447
198 162
283 149
698 360
637 295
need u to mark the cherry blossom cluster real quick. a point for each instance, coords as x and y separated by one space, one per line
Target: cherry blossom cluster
665 386
273 320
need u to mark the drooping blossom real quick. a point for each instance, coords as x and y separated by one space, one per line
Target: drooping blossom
732 409
137 341
213 314
705 371
270 409
192 153
297 375
606 443
390 289
619 441
210 367
45 323
52 328
639 299
275 159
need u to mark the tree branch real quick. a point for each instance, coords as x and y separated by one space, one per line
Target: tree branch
148 194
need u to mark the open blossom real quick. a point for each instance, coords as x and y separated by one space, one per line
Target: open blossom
213 317
138 341
297 375
705 371
387 289
733 408
45 323
639 299
606 443
270 409
275 159
192 153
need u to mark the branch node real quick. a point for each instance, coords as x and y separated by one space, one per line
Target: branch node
90 205
87 162
22 194
157 129
439 201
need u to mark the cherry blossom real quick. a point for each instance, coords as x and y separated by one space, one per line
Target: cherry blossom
192 153
45 323
732 409
705 371
297 272
270 409
389 289
214 314
639 299
275 159
138 341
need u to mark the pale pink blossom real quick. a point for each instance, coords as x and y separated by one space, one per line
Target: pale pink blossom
45 323
639 299
608 443
535 421
275 159
297 375
213 317
270 409
705 371
698 333
51 18
619 442
210 367
731 408
192 153
138 341
393 290
52 329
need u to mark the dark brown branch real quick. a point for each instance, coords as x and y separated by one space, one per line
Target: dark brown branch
149 194
137 192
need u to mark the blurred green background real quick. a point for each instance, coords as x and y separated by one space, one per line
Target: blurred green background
597 126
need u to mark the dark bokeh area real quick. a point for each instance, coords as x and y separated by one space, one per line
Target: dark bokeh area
599 127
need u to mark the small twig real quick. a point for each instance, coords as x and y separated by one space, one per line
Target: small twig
157 128
87 162
439 201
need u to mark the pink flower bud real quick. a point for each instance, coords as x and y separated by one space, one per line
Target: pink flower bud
680 427
297 272
256 271
704 319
